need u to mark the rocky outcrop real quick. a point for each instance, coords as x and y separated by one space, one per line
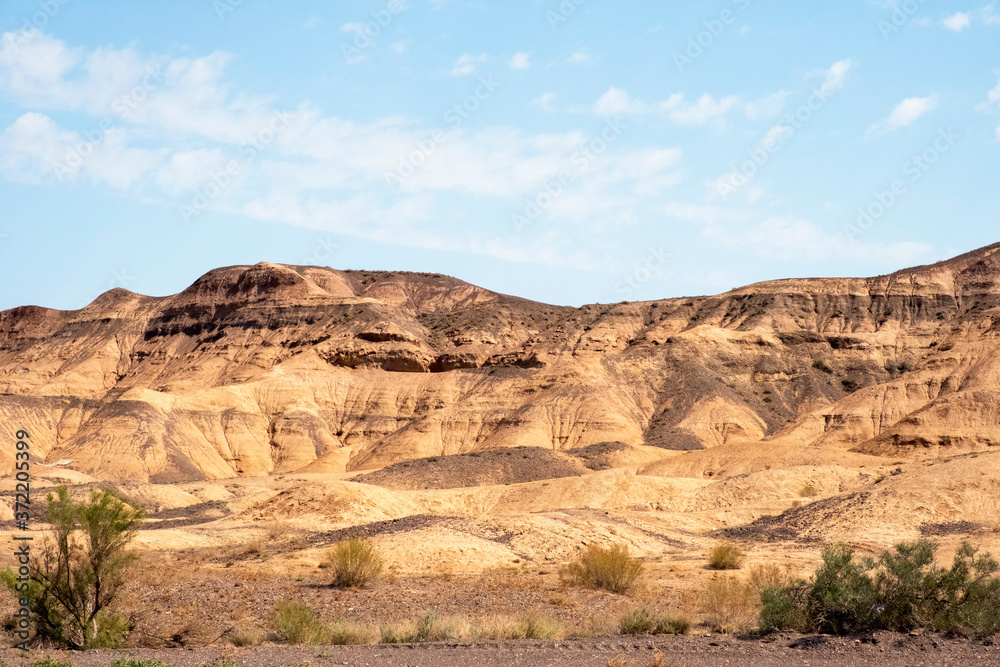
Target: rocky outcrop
271 368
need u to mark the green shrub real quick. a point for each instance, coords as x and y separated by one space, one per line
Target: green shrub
80 569
820 365
645 621
355 563
725 556
611 569
900 590
49 662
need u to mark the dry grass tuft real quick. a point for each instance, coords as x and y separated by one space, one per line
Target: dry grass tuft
645 621
355 563
247 635
730 605
611 569
725 556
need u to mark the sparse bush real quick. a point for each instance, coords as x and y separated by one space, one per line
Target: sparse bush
595 626
808 491
138 663
344 633
49 662
645 621
730 605
820 365
295 623
534 625
725 556
355 563
80 569
256 547
247 635
900 590
766 575
611 569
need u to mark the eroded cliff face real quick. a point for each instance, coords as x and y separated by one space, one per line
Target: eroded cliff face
270 368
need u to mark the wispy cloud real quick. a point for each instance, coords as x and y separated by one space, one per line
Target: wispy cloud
321 172
545 102
834 77
521 60
468 64
958 21
905 114
676 108
989 14
790 239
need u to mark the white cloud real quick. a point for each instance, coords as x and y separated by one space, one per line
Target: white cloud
989 14
993 97
578 57
794 240
616 102
834 76
467 64
706 109
400 47
520 60
318 171
311 22
545 102
906 113
958 22
31 148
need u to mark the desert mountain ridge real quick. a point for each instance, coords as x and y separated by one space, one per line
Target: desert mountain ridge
256 370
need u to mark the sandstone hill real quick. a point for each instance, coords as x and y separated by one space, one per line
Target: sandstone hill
271 369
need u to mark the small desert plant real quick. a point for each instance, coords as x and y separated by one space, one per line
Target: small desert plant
80 570
341 632
725 556
428 627
295 623
49 662
138 663
534 625
593 627
355 563
611 569
247 635
645 621
257 547
820 365
730 605
808 491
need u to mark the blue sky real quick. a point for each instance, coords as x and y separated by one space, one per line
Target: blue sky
570 151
